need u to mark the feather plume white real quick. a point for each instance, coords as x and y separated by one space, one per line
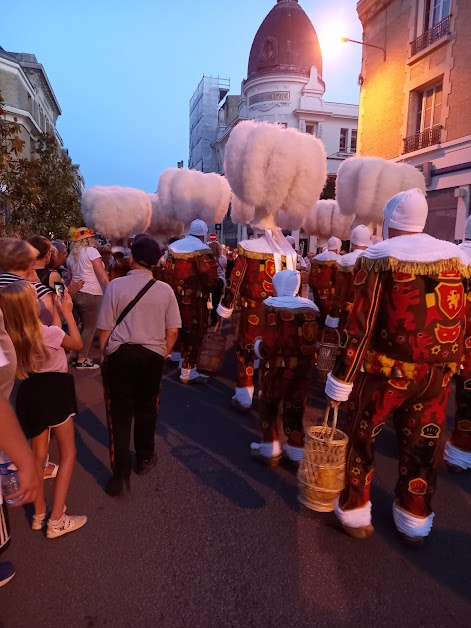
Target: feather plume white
310 223
162 226
325 220
116 212
275 170
241 214
187 195
365 184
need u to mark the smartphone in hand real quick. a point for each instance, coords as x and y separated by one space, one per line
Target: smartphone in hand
59 288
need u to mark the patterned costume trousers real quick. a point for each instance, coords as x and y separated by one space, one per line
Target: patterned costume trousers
290 386
194 313
418 409
252 323
461 436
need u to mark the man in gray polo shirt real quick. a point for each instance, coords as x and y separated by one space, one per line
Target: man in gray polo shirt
134 351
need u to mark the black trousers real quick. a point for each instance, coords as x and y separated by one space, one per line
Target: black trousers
131 377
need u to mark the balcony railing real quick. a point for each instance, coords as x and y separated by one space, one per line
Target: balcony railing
429 137
431 36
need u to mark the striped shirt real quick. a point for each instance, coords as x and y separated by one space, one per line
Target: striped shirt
41 289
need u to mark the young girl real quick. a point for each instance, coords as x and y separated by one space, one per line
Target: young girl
46 395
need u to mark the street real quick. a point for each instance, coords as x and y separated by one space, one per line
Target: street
212 539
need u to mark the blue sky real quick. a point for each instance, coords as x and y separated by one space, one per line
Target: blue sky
124 72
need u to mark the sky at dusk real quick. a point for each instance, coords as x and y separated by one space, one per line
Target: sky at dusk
124 72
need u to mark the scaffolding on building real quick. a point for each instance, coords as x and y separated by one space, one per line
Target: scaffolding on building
204 119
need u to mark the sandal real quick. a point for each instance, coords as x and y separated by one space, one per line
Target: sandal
53 474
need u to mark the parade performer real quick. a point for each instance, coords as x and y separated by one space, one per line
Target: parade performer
322 277
458 448
344 279
276 176
191 270
287 350
402 344
192 197
250 284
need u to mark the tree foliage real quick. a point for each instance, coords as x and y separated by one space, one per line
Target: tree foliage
37 194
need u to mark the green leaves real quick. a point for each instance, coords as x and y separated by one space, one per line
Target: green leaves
38 194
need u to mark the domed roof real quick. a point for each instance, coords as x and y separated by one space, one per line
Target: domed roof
285 42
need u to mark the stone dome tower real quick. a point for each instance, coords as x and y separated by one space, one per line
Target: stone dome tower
285 43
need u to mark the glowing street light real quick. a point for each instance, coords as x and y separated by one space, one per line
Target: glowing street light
344 40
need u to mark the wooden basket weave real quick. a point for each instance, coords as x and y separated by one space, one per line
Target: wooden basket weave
321 474
328 348
212 352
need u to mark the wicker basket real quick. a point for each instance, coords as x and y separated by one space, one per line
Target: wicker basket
328 348
212 352
321 474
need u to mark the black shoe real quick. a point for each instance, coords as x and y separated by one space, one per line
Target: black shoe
118 486
145 465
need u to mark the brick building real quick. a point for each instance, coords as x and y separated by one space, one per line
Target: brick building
414 98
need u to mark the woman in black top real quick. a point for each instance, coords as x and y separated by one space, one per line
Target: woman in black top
46 276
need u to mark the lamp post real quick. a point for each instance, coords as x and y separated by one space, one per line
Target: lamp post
362 43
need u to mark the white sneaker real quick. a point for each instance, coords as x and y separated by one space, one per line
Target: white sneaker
192 376
39 521
66 524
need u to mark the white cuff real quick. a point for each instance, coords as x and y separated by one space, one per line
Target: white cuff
338 391
269 450
356 518
256 348
224 312
412 525
295 454
331 322
457 457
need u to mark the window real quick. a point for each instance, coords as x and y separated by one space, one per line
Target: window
353 141
429 110
311 128
435 12
343 140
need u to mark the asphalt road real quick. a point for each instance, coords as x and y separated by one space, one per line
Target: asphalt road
211 539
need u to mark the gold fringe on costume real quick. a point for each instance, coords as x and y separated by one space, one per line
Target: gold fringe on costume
173 254
418 268
261 256
346 269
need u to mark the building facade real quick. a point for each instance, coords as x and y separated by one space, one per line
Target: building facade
414 98
284 85
29 100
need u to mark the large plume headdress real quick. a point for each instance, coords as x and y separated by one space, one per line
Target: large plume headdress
325 220
186 195
365 184
162 227
278 172
116 212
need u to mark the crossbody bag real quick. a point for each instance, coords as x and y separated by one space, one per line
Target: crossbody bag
131 305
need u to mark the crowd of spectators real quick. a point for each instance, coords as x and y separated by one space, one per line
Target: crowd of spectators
52 309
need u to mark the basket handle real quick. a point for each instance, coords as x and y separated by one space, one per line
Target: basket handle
218 326
334 421
331 330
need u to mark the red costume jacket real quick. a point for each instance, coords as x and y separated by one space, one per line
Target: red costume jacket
322 280
407 315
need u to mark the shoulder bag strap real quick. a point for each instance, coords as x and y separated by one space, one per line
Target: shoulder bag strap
130 306
134 302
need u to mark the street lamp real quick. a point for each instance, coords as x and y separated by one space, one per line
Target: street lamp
362 43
